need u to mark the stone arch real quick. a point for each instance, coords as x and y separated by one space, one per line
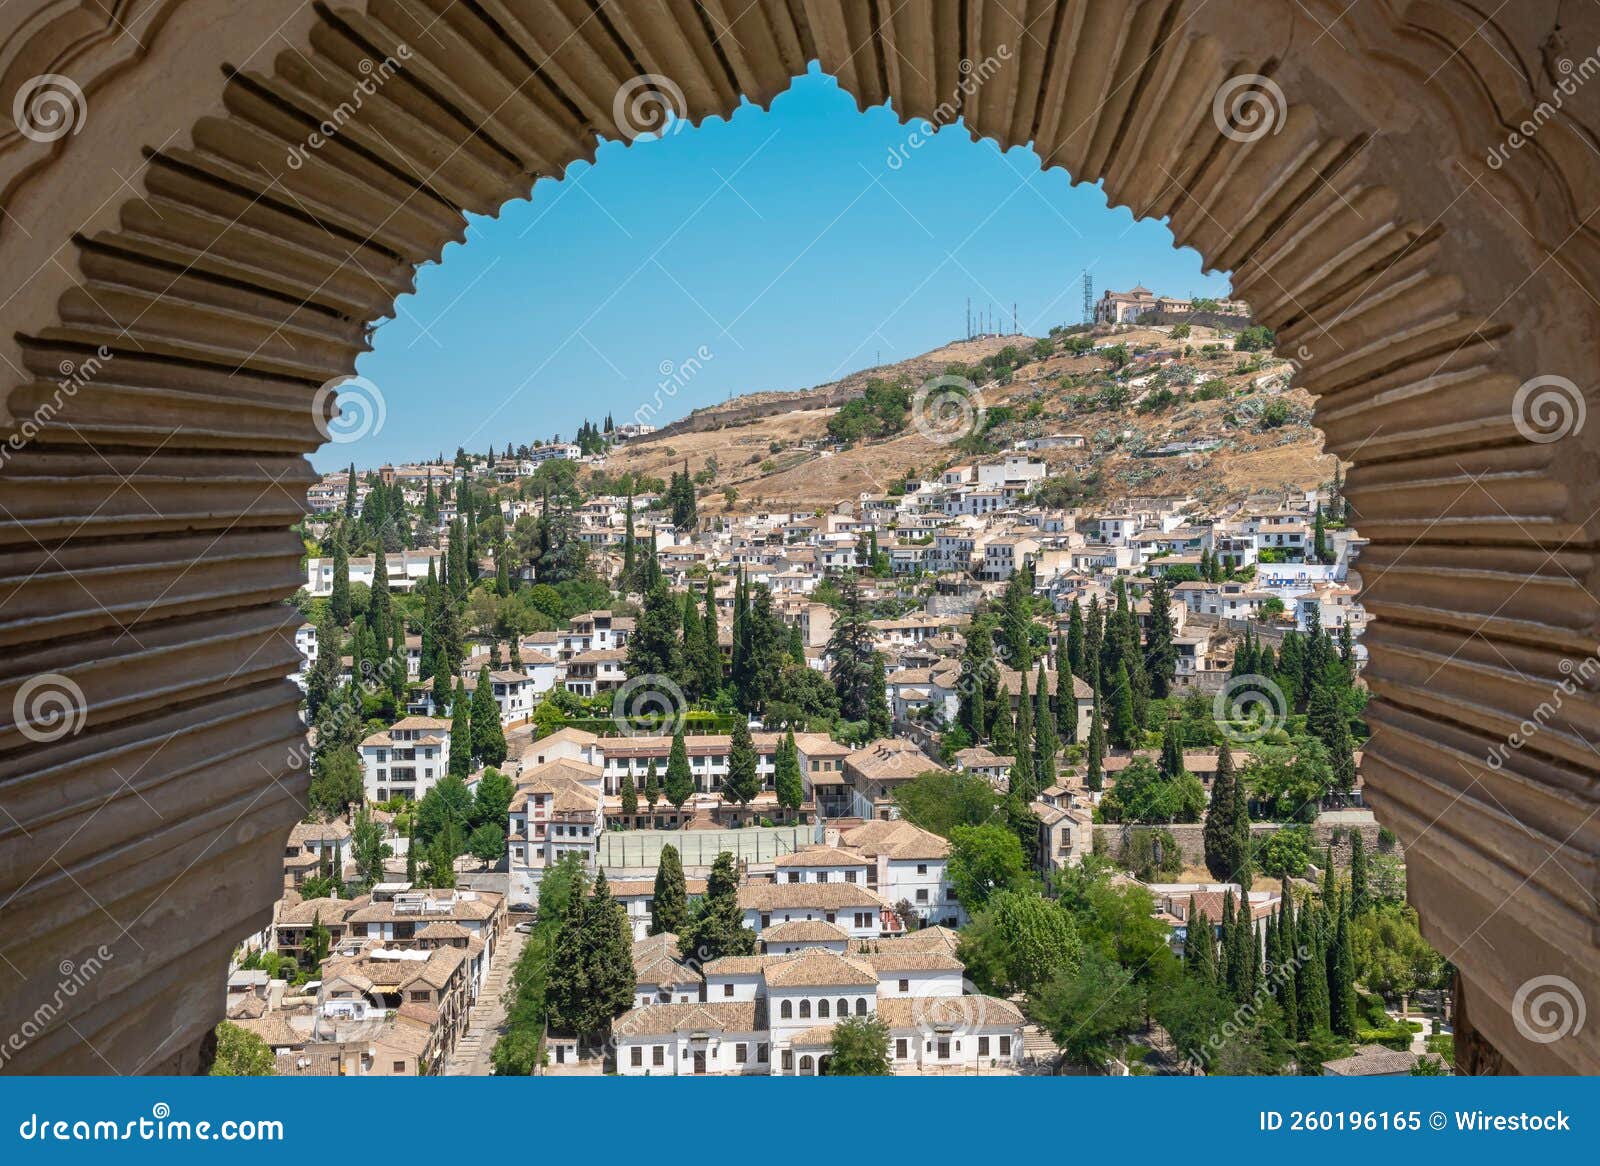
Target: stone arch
146 548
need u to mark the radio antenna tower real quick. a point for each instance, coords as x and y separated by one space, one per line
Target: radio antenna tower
1088 298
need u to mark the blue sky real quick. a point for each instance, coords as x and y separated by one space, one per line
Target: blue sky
791 246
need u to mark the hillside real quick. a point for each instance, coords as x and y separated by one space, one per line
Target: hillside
773 449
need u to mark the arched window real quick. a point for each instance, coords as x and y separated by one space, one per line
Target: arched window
805 1010
786 1010
805 1064
861 1005
844 1006
822 1009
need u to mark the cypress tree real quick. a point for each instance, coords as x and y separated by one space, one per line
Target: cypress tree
460 732
1287 971
1160 654
629 565
1242 845
1341 974
742 783
786 775
1358 874
1124 730
1220 833
680 782
630 796
652 786
1073 645
1044 732
609 950
1094 767
488 735
1066 703
1022 780
1171 763
711 662
1229 971
1199 956
669 904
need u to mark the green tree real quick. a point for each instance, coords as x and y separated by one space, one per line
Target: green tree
1359 900
716 927
460 732
1044 732
856 668
983 860
488 735
1089 1008
860 1048
630 796
241 1053
487 843
654 648
669 904
1124 727
743 782
1018 942
336 782
786 774
652 787
1160 654
1226 844
367 849
940 800
680 782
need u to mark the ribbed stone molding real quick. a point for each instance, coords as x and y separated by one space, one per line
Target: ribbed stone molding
145 548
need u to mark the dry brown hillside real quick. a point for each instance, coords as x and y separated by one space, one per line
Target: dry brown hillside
754 443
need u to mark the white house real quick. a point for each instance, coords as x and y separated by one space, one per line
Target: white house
406 760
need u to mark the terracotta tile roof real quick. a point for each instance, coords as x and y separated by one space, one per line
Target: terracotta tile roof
667 1019
817 896
814 856
818 968
804 931
959 1013
898 840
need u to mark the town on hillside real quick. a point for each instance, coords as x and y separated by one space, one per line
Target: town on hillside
1013 732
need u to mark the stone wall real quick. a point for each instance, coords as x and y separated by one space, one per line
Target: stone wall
1191 839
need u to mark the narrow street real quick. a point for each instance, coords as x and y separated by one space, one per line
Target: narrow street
470 1057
